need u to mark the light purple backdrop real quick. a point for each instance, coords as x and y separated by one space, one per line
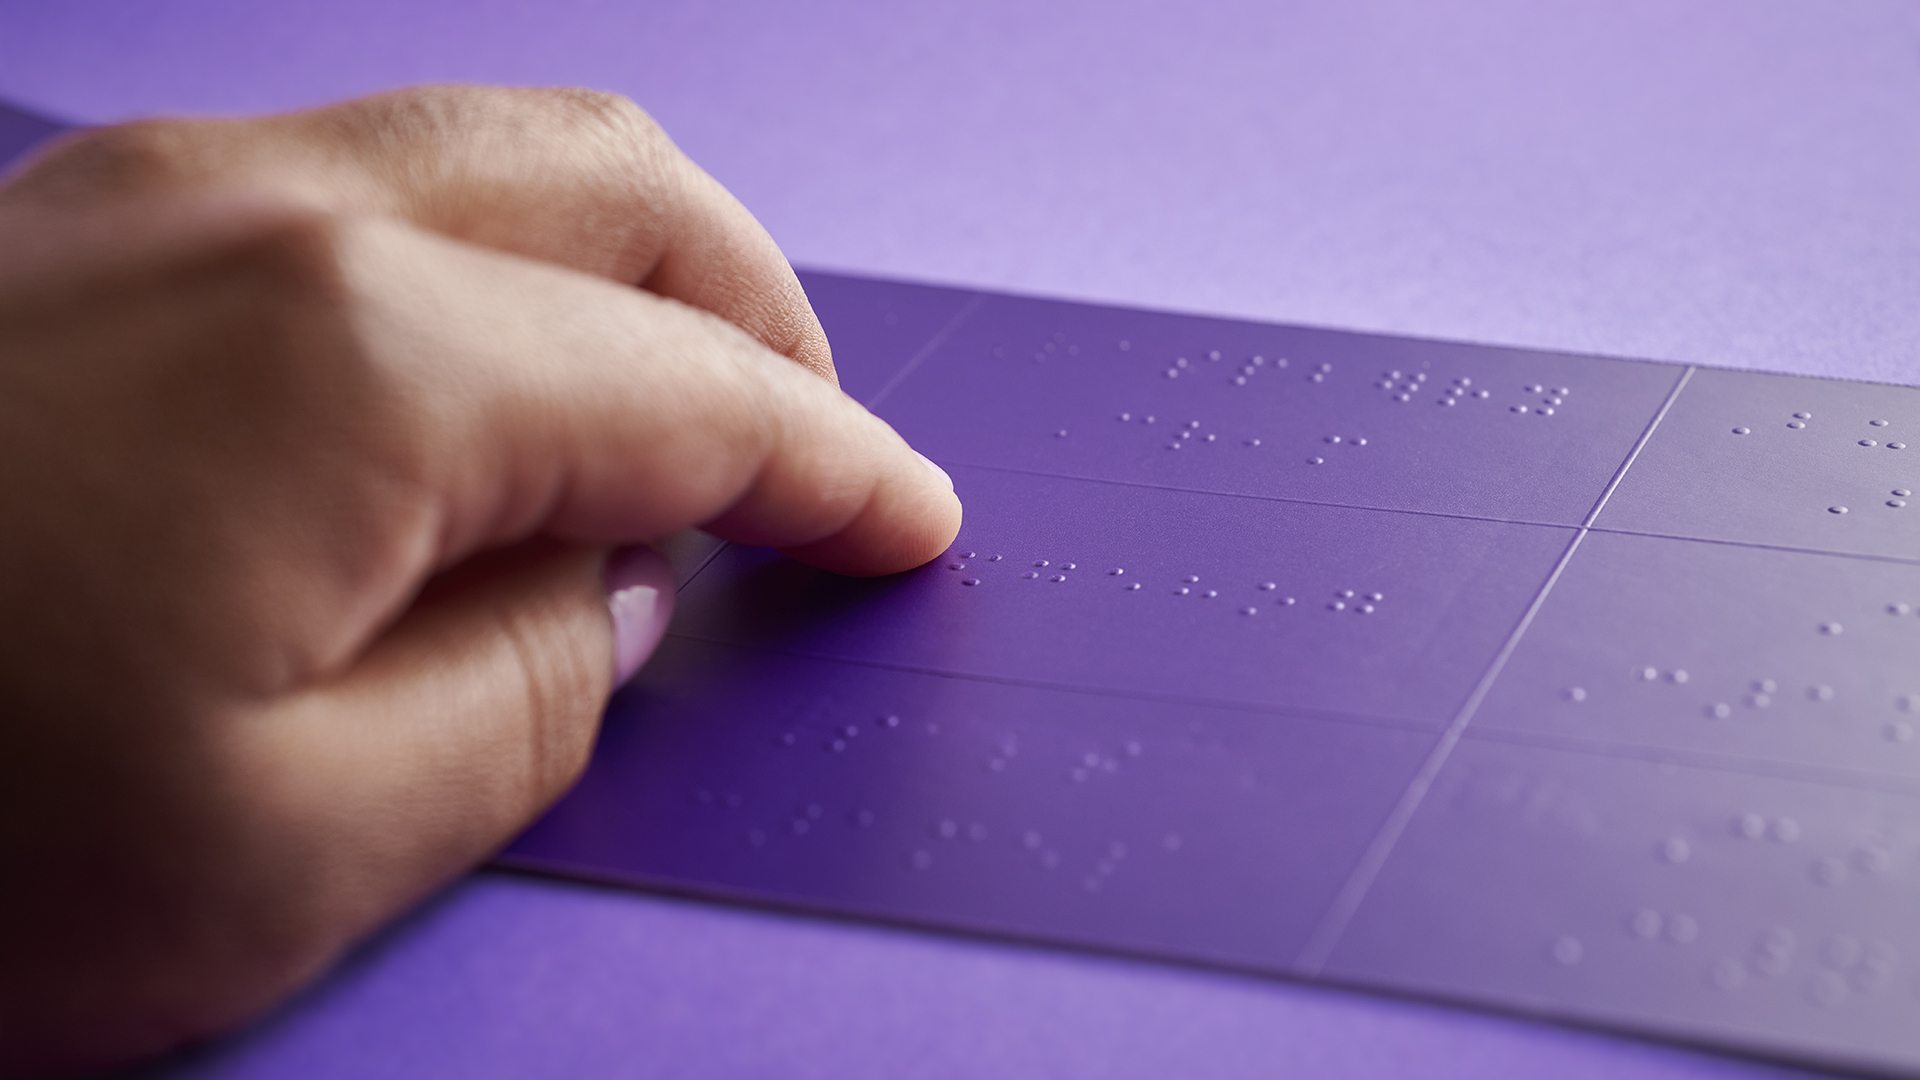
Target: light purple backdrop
1731 182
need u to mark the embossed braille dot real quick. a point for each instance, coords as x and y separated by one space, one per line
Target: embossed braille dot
1720 710
1836 509
1896 446
1868 442
971 581
1742 431
1316 461
1902 492
1647 924
1878 423
1803 416
1831 629
1795 424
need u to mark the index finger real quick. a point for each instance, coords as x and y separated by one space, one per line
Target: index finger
582 179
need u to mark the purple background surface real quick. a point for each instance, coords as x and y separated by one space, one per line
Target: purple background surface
1722 182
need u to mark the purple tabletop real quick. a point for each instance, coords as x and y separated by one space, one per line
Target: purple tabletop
1723 183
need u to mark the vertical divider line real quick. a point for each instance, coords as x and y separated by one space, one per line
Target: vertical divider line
938 339
704 563
1346 903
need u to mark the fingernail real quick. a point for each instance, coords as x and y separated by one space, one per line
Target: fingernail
640 597
937 470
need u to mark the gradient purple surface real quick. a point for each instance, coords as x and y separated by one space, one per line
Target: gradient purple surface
1717 182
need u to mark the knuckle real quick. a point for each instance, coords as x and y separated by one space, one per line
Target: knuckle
614 113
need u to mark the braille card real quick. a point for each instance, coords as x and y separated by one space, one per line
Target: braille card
1563 685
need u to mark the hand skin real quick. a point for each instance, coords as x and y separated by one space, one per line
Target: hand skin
315 432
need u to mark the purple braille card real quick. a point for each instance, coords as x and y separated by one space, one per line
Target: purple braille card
1572 686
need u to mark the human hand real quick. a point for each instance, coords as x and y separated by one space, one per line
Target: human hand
315 433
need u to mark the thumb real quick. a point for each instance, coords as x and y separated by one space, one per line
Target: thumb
464 721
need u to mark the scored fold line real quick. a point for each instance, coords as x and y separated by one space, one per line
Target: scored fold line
1346 903
938 339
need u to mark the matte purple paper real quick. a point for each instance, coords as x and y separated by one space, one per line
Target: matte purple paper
1555 684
